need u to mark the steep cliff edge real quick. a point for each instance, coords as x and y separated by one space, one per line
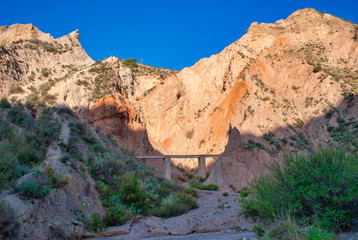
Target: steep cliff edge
39 70
268 85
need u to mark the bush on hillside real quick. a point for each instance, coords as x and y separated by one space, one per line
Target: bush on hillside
191 191
31 189
130 62
320 185
116 215
133 194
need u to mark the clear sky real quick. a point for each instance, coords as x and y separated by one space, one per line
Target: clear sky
172 34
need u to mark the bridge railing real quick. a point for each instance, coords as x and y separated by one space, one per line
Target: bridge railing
167 159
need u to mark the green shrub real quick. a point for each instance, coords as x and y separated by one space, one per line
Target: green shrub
116 216
225 194
25 152
31 189
244 193
174 205
132 193
192 192
130 62
321 185
4 103
211 187
258 230
96 224
97 148
106 167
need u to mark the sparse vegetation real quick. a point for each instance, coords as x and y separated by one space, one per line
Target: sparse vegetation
251 144
244 193
103 80
19 153
174 205
34 44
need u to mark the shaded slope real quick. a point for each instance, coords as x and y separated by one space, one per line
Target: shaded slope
244 160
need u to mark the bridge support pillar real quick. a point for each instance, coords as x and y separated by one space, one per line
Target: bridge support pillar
167 168
202 167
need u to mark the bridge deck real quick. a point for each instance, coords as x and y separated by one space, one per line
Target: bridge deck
179 156
168 162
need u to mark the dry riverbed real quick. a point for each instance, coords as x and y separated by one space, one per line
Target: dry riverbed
218 217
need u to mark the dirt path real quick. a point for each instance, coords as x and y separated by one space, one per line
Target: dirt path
218 217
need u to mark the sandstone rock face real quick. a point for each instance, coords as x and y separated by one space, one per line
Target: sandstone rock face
18 32
237 166
294 71
116 118
28 55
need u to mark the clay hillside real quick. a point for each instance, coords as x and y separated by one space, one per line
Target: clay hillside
286 87
42 71
70 127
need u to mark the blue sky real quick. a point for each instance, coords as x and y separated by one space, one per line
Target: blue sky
172 34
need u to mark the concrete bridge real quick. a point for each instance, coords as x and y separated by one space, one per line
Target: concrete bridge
168 161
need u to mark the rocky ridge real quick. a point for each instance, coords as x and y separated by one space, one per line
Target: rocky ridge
37 69
267 85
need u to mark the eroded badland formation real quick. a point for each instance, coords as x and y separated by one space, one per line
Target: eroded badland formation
282 87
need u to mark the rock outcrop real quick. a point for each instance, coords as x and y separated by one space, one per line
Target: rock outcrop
268 85
121 121
28 55
237 166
